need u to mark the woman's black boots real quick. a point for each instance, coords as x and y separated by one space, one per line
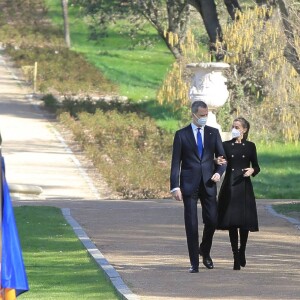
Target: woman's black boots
243 237
233 235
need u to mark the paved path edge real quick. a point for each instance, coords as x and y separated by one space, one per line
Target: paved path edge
109 271
294 221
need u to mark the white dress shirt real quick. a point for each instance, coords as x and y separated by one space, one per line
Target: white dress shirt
195 130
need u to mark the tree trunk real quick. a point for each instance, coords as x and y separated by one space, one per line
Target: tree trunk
64 5
290 51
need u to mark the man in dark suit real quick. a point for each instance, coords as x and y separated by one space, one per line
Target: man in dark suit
194 175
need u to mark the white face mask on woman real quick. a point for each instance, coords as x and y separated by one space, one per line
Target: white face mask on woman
235 133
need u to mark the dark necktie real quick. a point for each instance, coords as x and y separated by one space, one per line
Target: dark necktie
199 143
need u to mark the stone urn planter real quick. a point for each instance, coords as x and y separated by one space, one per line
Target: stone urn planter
209 85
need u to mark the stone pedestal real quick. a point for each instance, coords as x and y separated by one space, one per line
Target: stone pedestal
209 85
226 135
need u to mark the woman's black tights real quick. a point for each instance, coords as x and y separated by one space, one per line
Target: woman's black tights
238 253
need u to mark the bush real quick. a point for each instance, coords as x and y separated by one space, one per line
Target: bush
29 37
131 152
50 102
63 71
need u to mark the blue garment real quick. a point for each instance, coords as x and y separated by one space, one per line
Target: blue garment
13 270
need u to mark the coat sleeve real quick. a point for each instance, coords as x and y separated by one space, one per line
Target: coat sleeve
254 161
220 152
176 162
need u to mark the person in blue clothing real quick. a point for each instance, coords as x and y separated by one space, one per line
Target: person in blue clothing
13 274
237 211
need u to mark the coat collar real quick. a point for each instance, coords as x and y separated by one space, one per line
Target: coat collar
242 141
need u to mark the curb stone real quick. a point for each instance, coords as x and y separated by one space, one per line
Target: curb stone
25 189
108 269
294 221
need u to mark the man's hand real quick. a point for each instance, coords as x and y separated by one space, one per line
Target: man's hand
177 195
216 177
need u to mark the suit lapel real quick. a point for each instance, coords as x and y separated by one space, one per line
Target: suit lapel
191 138
207 138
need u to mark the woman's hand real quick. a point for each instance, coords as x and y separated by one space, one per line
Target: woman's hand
220 161
248 172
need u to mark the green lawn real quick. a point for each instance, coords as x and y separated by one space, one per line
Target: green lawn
280 171
291 209
115 57
288 208
57 264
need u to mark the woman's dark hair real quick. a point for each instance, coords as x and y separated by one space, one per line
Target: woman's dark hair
245 124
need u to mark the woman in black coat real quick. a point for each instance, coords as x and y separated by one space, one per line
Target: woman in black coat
236 206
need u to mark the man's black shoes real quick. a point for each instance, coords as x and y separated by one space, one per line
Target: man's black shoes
207 262
193 270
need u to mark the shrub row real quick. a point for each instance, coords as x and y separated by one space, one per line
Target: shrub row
130 151
62 70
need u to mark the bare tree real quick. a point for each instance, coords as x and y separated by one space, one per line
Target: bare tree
64 5
173 18
291 23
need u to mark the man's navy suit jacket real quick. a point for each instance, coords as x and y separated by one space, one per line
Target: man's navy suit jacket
188 168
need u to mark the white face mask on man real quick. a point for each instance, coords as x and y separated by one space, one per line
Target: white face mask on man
201 121
235 133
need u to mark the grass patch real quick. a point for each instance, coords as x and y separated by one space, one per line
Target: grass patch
137 71
288 209
57 264
280 171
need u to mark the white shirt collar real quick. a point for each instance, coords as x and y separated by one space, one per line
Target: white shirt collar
194 127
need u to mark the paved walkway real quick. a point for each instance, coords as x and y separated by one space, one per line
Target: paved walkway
143 240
